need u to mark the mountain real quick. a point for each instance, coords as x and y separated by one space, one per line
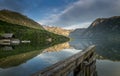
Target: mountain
17 18
58 30
77 32
24 28
103 28
34 35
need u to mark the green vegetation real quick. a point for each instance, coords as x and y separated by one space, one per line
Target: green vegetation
18 59
9 61
37 37
25 33
26 29
17 18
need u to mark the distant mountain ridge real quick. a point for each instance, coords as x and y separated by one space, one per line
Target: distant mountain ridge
17 18
58 30
24 28
103 28
76 33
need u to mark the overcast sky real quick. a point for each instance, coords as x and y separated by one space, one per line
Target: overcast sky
69 14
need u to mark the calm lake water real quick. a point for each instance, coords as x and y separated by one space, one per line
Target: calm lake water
108 55
28 63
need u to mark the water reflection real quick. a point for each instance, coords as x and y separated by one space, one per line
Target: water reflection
16 62
58 47
13 56
108 68
7 48
106 49
26 59
11 50
108 55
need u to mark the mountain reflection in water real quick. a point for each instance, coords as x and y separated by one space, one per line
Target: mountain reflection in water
108 55
13 63
25 64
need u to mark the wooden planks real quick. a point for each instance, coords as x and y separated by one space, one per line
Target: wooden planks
76 63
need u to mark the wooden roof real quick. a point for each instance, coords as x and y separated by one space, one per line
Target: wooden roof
7 35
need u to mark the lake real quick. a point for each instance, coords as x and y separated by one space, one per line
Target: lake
26 64
13 63
108 55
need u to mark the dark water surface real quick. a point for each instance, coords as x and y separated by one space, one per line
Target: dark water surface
108 55
14 63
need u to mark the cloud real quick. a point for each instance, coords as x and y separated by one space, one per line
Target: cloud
82 25
35 9
64 13
83 11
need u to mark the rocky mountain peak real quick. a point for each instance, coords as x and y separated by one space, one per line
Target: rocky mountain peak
58 30
98 21
102 28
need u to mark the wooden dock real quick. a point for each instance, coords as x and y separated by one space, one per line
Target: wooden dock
80 64
9 41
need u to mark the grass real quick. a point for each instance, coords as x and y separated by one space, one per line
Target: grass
38 38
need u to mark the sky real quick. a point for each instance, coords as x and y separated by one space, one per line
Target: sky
69 14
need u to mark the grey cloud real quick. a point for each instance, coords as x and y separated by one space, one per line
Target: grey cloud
85 11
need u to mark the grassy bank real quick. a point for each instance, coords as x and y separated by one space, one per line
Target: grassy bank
38 38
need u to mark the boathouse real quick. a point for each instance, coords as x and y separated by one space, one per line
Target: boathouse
9 39
8 36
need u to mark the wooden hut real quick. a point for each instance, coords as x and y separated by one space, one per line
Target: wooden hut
9 39
8 36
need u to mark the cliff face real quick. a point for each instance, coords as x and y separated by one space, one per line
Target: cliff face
103 28
58 30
